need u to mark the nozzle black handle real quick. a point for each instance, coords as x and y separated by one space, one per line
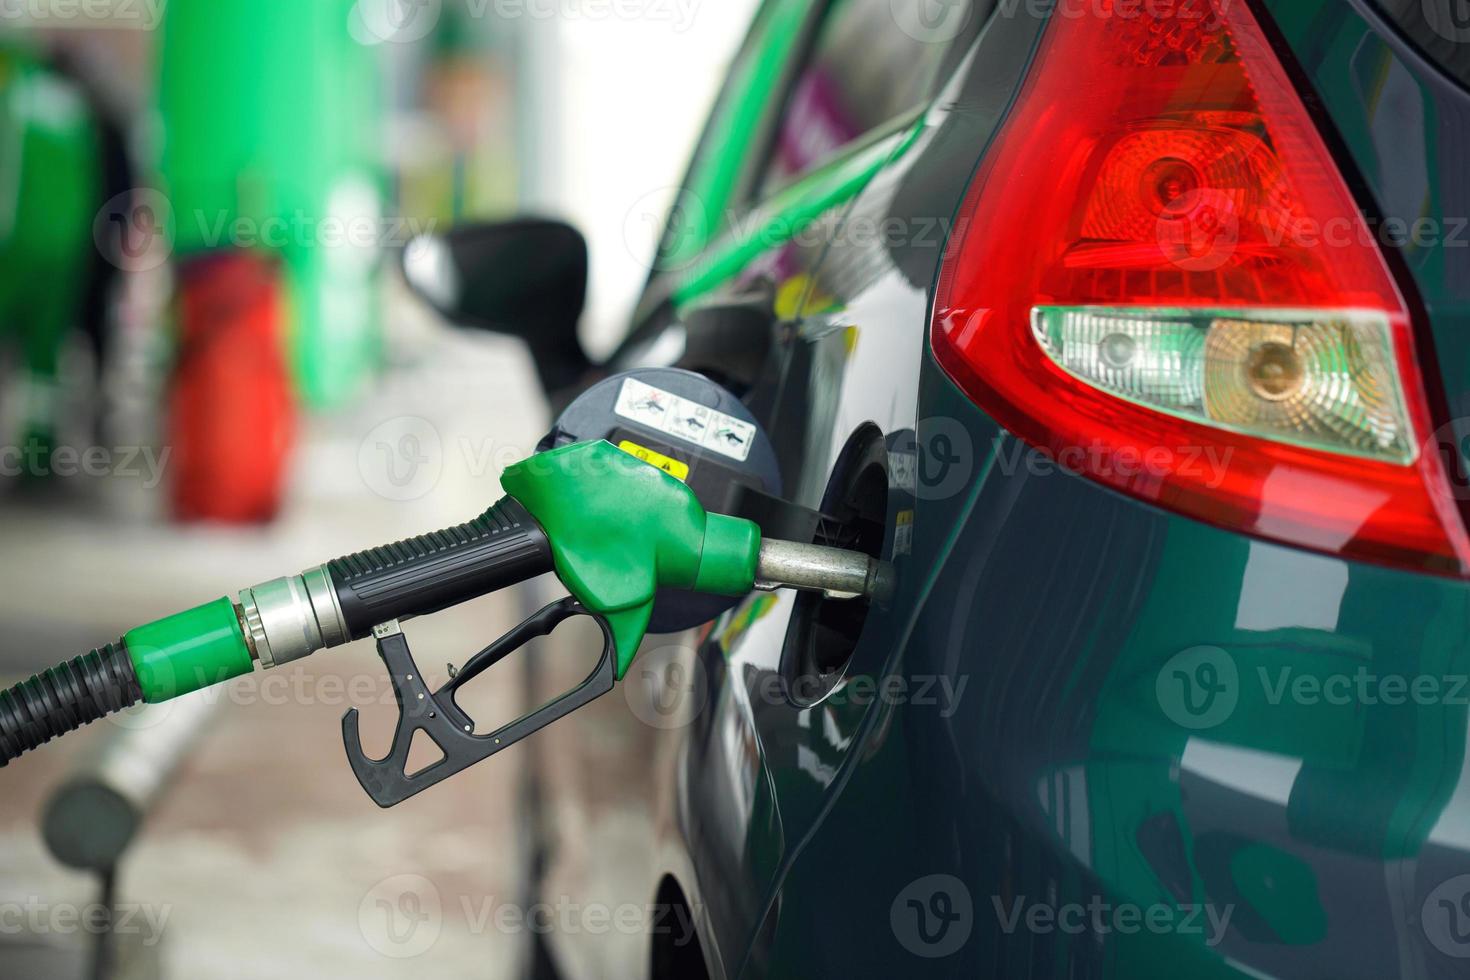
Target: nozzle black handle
423 575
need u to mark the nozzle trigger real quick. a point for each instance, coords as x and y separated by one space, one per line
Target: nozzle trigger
439 716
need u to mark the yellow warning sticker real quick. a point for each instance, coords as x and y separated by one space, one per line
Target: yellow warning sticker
671 466
903 533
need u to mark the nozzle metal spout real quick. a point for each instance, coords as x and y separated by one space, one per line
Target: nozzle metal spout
836 573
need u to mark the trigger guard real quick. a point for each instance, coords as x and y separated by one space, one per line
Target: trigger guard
437 714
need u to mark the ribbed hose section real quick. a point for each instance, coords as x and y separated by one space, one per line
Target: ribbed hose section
65 698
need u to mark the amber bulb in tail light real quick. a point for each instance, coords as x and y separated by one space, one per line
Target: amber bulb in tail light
1164 261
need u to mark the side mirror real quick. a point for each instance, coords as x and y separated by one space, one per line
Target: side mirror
526 278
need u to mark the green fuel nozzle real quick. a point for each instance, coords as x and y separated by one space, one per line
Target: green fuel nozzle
613 529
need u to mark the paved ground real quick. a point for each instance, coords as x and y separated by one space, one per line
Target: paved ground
266 859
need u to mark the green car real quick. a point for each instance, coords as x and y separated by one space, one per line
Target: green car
1136 334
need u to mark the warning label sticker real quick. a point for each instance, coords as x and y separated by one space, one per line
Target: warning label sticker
671 466
666 412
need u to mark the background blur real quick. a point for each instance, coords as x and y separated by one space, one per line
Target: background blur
211 374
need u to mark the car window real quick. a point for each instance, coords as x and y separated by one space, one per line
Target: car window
864 70
729 146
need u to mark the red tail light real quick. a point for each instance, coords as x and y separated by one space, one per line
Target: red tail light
1161 279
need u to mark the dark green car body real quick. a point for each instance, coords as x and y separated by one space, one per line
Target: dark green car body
1114 742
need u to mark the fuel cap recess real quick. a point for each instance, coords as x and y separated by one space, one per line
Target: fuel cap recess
692 429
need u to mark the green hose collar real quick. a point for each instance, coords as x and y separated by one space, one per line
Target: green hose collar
189 651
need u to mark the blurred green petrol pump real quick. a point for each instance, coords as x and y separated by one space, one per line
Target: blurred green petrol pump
271 195
49 193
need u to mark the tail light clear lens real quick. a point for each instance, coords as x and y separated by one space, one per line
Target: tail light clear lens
1297 376
1160 262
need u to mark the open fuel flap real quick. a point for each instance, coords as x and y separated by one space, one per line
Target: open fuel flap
824 631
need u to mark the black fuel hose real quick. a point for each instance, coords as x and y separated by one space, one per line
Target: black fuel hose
65 698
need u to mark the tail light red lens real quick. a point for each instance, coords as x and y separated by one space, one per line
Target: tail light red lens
1161 279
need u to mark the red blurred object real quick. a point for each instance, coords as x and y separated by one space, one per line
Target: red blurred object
1182 172
231 416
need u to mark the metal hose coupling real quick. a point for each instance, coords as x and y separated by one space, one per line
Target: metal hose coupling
289 618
